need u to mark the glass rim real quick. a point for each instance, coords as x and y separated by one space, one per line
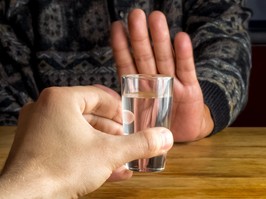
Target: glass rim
148 76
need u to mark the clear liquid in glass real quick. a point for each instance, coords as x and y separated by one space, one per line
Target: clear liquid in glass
141 111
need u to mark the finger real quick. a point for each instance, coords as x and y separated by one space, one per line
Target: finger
80 100
122 173
162 46
140 42
98 102
185 67
108 90
121 50
92 100
104 125
145 144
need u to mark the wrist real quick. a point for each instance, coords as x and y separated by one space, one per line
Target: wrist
17 185
208 123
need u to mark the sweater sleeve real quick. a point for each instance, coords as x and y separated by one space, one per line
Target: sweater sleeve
17 84
222 52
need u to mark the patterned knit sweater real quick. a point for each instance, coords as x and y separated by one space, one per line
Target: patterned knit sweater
62 43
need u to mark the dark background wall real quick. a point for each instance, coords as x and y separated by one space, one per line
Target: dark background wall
255 112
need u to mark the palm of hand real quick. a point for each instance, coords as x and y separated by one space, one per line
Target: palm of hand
191 119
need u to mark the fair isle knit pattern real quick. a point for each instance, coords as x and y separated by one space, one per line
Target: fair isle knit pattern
63 43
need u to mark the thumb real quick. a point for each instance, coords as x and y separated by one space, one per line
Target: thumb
144 144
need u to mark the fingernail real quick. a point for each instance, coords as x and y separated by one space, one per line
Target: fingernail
167 139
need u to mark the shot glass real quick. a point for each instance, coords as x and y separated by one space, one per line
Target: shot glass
146 103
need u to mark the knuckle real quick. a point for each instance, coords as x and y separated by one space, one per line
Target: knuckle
153 142
163 58
142 58
125 64
51 96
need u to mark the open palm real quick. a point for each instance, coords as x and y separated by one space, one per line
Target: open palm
191 118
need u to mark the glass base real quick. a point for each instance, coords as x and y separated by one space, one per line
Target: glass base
146 169
154 164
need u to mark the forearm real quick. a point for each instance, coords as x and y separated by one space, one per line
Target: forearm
222 56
